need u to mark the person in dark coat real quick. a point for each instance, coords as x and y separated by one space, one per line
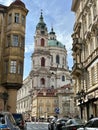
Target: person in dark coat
92 116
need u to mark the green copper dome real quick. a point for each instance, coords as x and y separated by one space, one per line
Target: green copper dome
55 43
41 25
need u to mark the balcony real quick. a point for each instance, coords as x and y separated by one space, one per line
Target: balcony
77 42
77 69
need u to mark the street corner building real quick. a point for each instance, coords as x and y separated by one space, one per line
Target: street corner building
85 55
12 43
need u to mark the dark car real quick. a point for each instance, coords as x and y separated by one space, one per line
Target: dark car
60 123
90 125
20 120
52 124
73 124
7 121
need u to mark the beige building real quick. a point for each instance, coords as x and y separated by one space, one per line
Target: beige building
85 56
12 43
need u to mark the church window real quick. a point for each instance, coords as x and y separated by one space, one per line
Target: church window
63 78
43 61
52 87
42 81
57 59
42 42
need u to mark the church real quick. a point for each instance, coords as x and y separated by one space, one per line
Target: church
49 79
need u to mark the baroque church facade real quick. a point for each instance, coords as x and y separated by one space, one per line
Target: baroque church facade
49 73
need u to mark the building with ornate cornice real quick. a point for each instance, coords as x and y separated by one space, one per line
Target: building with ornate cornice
12 43
49 72
85 56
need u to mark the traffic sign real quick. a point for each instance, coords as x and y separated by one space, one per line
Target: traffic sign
57 110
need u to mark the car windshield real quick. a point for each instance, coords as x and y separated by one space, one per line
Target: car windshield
18 117
10 117
78 121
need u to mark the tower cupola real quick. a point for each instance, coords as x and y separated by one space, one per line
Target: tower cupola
52 35
41 26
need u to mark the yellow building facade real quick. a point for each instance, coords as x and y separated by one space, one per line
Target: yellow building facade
12 43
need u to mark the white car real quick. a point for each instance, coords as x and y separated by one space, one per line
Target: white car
90 125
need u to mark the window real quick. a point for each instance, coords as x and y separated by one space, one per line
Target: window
94 10
8 41
42 42
16 18
93 75
13 67
6 67
20 68
43 61
57 59
22 42
42 81
15 40
9 18
63 78
23 20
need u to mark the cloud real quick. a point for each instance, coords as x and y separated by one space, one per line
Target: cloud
6 2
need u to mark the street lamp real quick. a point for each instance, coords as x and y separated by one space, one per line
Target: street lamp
80 96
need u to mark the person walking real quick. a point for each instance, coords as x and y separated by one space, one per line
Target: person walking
92 116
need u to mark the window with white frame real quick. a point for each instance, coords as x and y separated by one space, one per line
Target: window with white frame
20 68
13 66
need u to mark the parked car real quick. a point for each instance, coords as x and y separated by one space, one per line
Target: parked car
73 124
52 123
7 121
90 125
20 120
60 123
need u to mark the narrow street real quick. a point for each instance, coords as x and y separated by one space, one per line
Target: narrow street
37 126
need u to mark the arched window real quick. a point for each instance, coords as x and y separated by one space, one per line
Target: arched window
63 78
42 61
57 59
42 42
42 81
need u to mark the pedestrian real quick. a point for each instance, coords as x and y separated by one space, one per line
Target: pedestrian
92 116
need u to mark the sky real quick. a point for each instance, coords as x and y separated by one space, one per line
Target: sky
57 14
